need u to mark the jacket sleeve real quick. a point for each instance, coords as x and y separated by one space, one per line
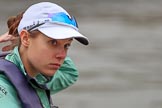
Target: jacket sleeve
64 77
8 95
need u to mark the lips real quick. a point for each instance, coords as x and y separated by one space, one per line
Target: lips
54 66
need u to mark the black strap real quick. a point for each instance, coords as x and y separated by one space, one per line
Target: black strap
50 99
26 93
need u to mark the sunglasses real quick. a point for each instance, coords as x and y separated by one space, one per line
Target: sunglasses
58 18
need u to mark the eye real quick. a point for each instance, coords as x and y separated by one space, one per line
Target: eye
53 42
67 46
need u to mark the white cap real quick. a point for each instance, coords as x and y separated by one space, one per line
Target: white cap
39 13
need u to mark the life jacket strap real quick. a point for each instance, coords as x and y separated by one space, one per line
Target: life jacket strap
26 93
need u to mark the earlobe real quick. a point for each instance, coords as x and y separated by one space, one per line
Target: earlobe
24 36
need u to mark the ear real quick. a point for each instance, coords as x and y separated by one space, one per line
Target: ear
25 39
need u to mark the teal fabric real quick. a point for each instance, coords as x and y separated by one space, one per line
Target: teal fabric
63 78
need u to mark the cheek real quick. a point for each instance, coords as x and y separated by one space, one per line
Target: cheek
37 52
38 58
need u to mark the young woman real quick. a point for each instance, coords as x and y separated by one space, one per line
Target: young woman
46 31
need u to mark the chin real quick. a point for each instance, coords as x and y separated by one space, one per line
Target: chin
50 73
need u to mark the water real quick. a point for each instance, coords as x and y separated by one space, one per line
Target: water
121 68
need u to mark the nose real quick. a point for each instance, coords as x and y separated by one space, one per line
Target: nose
61 54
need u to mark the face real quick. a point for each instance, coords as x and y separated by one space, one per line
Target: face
42 54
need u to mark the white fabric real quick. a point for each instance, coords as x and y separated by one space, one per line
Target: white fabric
39 12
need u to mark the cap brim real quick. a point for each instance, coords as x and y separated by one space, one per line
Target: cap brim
63 32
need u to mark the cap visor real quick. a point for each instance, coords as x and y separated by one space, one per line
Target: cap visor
63 32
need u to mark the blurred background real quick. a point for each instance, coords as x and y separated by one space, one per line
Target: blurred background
122 66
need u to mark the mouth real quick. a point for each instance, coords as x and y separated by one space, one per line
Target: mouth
54 66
